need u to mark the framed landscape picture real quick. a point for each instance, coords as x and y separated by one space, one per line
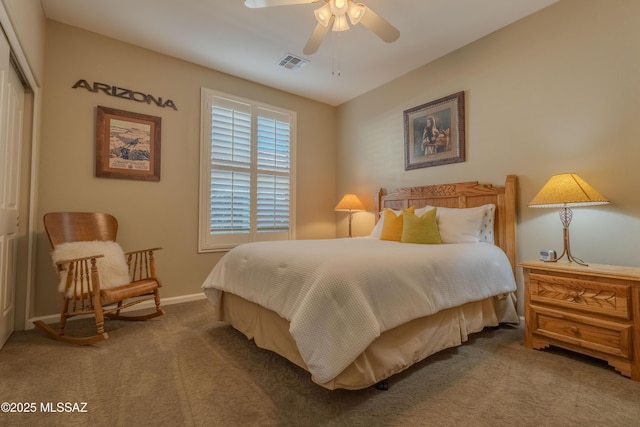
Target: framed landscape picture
434 133
127 145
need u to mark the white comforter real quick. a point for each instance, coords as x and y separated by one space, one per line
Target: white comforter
339 295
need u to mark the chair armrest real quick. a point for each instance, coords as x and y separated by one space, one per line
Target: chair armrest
75 260
126 254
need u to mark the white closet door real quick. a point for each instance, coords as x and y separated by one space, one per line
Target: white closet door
11 118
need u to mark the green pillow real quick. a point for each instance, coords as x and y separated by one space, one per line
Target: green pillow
423 229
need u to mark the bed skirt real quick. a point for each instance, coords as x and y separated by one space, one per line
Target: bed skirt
392 352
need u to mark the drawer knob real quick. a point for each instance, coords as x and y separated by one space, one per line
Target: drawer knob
574 330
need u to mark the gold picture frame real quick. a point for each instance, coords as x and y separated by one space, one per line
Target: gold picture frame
127 145
434 133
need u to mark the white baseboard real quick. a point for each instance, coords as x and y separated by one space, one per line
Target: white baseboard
52 318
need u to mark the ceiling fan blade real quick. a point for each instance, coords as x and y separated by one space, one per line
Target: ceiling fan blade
379 26
269 3
316 38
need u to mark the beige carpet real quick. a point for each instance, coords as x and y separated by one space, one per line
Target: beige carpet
183 369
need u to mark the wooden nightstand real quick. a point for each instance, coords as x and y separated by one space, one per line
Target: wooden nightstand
594 310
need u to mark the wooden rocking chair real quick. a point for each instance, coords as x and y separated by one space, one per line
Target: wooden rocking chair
83 294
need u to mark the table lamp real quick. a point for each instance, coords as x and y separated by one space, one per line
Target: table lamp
565 191
350 203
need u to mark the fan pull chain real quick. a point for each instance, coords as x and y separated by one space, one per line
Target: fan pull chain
336 47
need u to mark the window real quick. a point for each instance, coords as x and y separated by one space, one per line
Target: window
247 172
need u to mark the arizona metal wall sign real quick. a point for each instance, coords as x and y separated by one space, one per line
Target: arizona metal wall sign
120 92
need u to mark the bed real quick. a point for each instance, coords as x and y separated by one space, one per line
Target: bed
355 311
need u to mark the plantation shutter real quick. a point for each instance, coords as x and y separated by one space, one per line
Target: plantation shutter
273 162
249 179
230 167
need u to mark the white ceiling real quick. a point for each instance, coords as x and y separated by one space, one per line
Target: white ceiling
225 35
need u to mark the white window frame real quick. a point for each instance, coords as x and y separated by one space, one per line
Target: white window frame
218 242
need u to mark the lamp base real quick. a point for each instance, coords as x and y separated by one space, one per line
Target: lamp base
565 217
570 258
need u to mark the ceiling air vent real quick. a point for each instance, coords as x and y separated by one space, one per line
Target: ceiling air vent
292 62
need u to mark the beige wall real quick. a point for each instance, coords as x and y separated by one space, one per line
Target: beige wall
558 91
164 213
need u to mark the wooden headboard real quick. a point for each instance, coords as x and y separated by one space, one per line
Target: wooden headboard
463 195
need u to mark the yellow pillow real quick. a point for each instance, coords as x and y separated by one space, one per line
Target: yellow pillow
423 229
392 225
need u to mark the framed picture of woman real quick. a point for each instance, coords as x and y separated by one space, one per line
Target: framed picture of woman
434 133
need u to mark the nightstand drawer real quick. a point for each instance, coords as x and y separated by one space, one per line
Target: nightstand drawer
591 333
579 294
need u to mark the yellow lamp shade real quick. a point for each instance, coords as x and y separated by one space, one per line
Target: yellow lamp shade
566 190
351 203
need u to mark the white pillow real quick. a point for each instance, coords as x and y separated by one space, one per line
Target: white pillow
377 229
423 210
112 268
465 225
486 230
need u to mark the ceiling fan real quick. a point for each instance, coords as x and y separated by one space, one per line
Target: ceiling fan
333 15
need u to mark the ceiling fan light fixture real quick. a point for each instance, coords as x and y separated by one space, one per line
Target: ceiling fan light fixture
339 7
355 12
340 23
323 15
332 15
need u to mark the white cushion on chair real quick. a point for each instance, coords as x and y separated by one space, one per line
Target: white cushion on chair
112 268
